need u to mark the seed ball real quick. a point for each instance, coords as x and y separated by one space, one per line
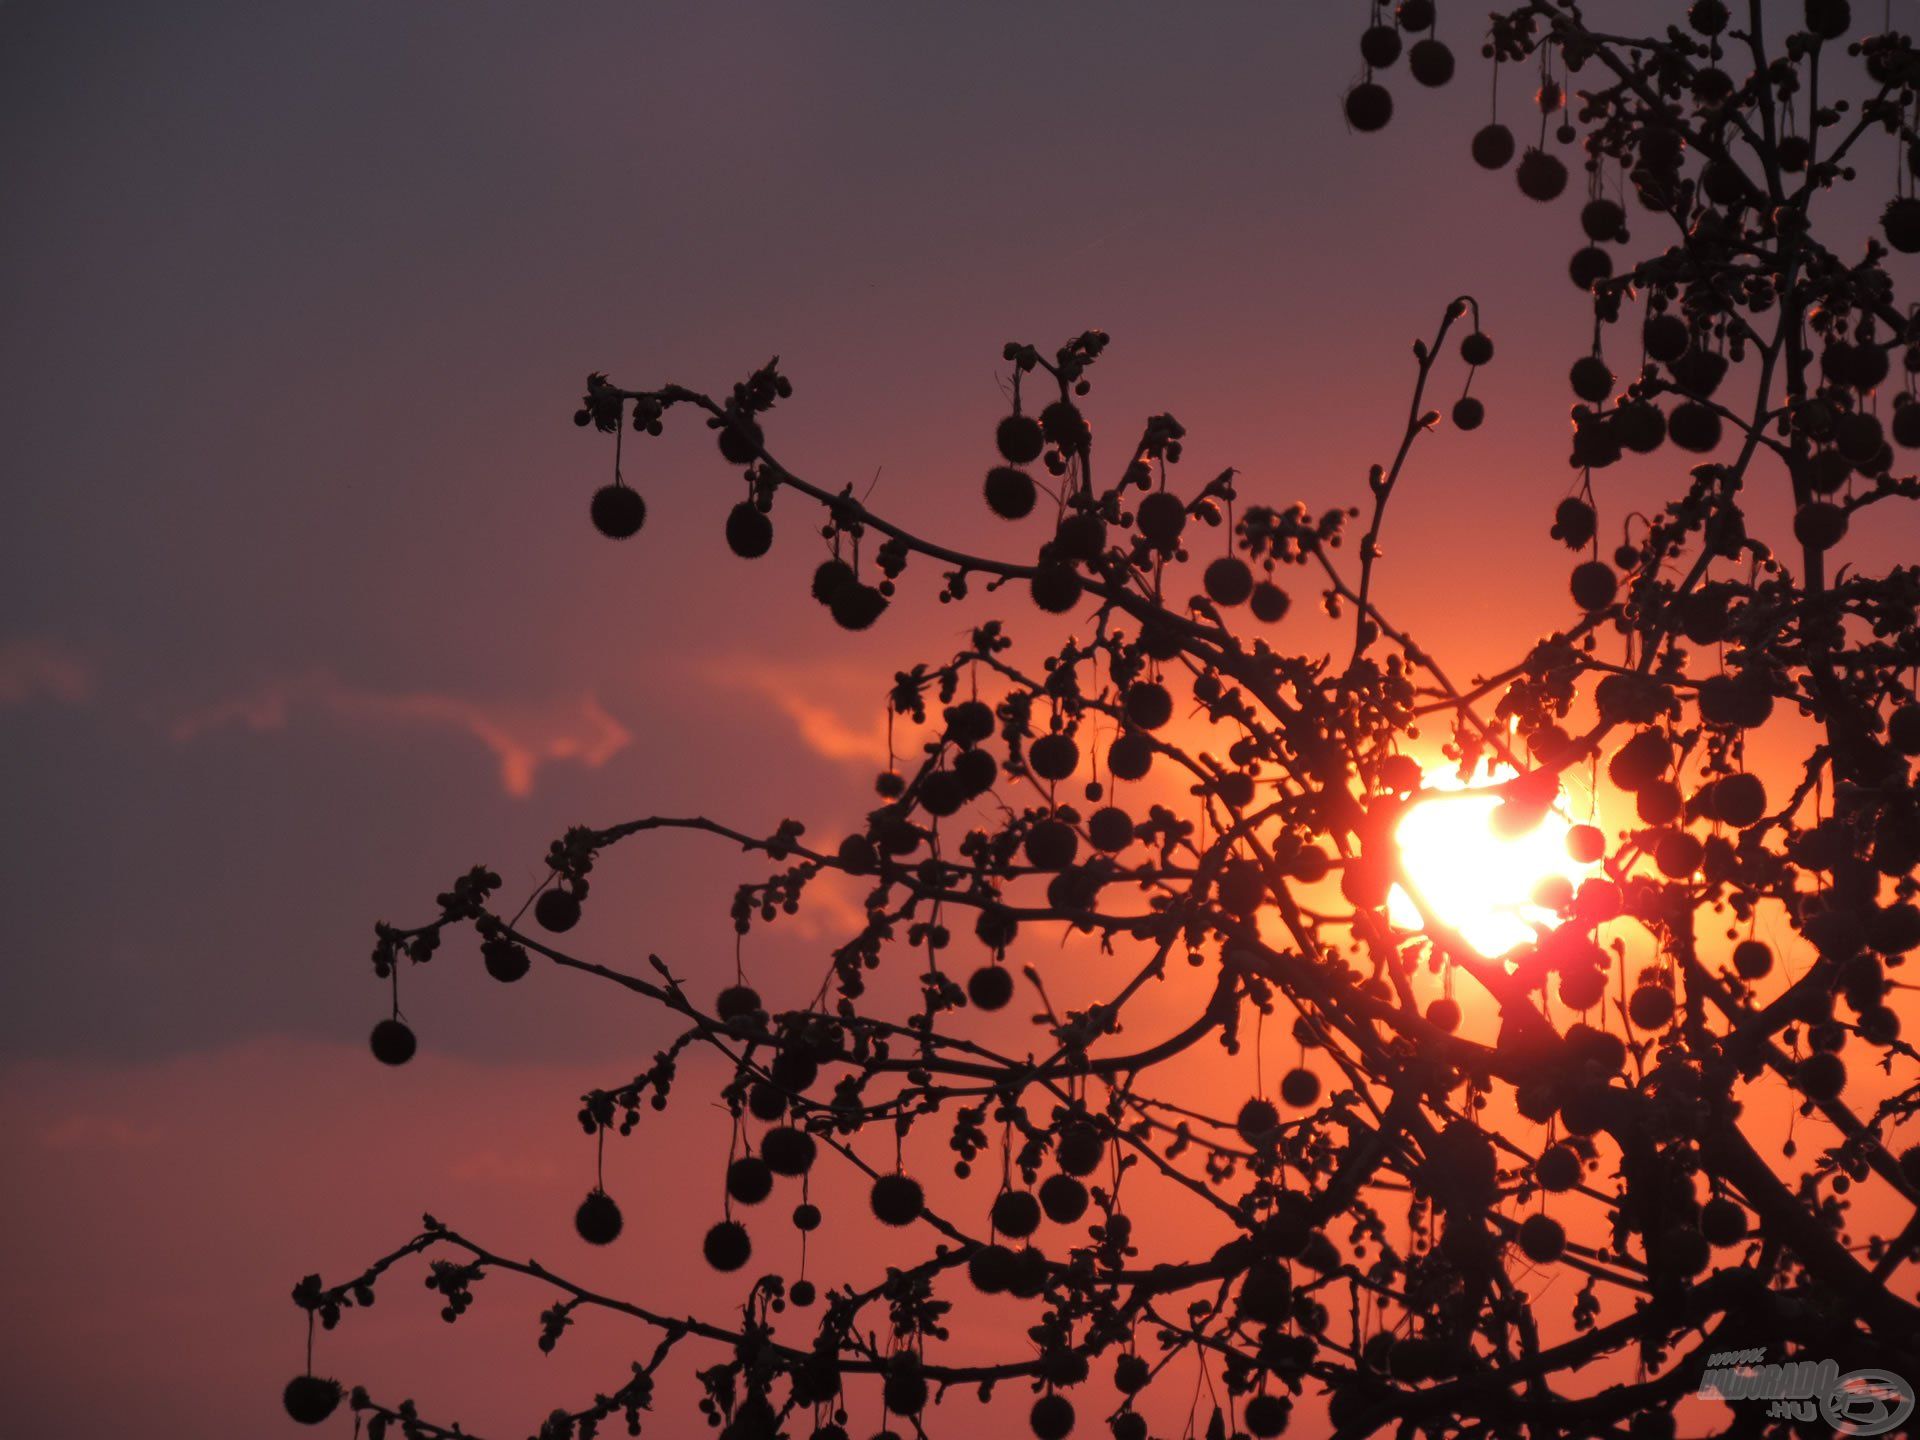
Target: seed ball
1582 987
1016 1213
1493 148
830 578
1111 829
1051 845
1054 756
1594 585
990 987
1542 176
1266 1416
1542 1239
970 722
1586 843
310 1399
806 1217
1444 1014
727 1246
1081 536
1906 426
1063 1198
1055 588
1903 729
740 441
598 1220
1148 705
897 1200
505 961
990 1268
1065 427
1079 1149
1588 267
976 770
749 531
1010 492
1658 802
557 911
618 511
942 794
905 1391
1162 517
1130 756
1820 525
1651 1007
1692 426
1602 220
1666 338
1369 106
393 1042
788 1150
1380 46
1591 379
1242 887
1558 1169
1266 1294
1821 1076
856 606
1476 349
1640 426
1300 1088
1468 413
737 1002
1257 1121
1752 959
1051 1417
1430 62
1829 19
802 1293
1131 1374
1739 800
1019 439
1723 1222
1229 581
749 1180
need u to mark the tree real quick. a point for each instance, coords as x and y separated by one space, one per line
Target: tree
1384 1210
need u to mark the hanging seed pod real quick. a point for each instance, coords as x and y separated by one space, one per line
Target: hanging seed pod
1430 62
310 1399
557 910
1016 1213
1266 1416
1542 1239
618 511
1476 349
1588 267
393 1042
1468 413
788 1151
1019 439
598 1220
1051 845
727 1246
1369 106
1051 1417
1591 379
749 1179
1148 705
1228 581
1300 1088
1130 756
1055 588
1162 517
990 987
1063 1198
1602 220
1269 603
505 961
1542 176
896 1200
855 606
1054 756
1493 147
749 531
1379 46
1594 585
1010 492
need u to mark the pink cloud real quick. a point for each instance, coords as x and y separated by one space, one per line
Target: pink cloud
835 711
37 669
522 735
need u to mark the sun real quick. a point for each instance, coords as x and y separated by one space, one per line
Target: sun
1471 876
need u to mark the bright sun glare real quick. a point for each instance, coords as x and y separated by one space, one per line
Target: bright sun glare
1473 878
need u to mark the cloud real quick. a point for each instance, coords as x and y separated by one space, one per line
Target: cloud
37 669
522 735
801 694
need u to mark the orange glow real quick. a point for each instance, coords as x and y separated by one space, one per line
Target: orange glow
1468 874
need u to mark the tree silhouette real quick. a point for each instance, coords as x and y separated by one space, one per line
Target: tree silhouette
1371 1231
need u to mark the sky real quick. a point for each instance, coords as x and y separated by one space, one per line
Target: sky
301 615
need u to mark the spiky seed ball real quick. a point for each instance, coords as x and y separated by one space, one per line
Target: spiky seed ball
1602 220
1640 426
1369 106
1658 802
990 987
1131 1374
749 531
1468 413
1444 1014
737 1002
1591 379
1266 1294
1130 757
897 1200
788 1150
1666 338
1739 800
1821 1076
1476 349
1065 427
1019 439
830 578
749 1179
976 770
1820 525
1651 1007
1693 426
1162 517
802 1293
1594 585
1430 62
310 1399
618 511
1266 1416
1063 1198
1542 176
1829 19
1903 729
393 1042
990 1268
1300 1088
1010 492
1257 1121
1379 46
1229 581
1542 1239
1269 603
1016 1213
1054 756
1752 959
1723 1222
727 1246
1148 705
970 722
1079 1149
856 606
1055 588
1558 1169
1081 536
557 910
1582 987
1111 829
942 793
598 1220
1493 147
1051 1417
806 1217
905 1390
740 441
505 961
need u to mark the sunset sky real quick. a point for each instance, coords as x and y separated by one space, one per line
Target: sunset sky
303 614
